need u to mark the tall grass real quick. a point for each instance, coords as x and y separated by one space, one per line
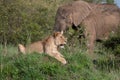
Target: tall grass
15 66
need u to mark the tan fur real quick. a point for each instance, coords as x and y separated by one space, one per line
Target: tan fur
21 48
49 46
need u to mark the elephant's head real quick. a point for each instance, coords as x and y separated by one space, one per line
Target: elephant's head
71 14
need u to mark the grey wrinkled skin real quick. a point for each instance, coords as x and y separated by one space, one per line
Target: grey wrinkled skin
71 14
99 20
99 27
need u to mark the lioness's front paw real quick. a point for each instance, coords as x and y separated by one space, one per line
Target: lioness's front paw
64 62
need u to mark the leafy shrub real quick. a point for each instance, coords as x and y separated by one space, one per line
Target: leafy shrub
22 20
111 49
113 44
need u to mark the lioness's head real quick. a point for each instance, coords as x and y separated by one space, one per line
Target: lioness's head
60 39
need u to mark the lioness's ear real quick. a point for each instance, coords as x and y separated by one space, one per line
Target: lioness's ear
55 34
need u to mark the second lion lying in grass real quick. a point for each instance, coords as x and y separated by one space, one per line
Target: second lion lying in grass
49 46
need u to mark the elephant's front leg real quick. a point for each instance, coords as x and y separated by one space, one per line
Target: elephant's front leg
90 44
90 35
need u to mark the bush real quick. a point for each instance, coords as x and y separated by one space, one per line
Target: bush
112 47
36 66
22 20
114 44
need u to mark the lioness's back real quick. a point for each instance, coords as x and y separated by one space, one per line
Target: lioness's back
35 47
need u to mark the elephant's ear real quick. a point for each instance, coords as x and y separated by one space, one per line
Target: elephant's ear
81 10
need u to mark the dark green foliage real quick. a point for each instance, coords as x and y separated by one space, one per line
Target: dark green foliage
22 20
36 66
110 1
111 49
113 44
108 63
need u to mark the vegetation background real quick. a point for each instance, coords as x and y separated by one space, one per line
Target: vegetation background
26 21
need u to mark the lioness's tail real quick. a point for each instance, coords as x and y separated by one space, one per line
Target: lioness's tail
21 48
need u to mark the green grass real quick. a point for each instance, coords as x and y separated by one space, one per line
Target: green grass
15 66
25 21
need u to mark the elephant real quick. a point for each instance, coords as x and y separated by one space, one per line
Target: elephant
104 20
72 13
105 8
99 27
99 20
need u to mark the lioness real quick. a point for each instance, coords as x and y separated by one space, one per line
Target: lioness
49 46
